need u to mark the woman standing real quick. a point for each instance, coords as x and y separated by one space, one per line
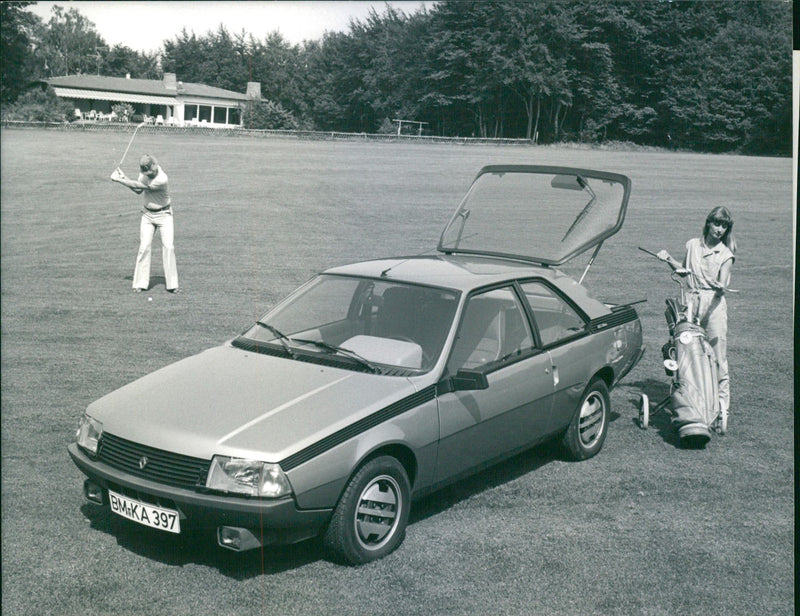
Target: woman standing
710 259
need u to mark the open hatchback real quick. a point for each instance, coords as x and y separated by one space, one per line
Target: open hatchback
541 214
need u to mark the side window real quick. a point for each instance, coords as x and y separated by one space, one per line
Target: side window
555 318
493 330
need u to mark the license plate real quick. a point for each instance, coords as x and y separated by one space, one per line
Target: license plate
149 515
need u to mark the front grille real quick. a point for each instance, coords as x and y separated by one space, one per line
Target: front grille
161 466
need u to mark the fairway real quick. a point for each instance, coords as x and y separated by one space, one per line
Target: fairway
643 528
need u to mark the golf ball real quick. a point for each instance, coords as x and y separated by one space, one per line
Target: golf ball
149 299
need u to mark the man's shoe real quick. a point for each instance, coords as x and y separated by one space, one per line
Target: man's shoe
137 290
175 290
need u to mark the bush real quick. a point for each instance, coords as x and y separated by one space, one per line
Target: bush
124 112
39 105
387 127
269 115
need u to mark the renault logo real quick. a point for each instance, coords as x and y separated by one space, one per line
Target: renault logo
143 462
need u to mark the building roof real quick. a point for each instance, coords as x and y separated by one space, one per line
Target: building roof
140 87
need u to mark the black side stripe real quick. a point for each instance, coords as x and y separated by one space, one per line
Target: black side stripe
377 418
624 314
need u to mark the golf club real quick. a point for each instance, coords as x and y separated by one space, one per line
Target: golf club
129 143
656 256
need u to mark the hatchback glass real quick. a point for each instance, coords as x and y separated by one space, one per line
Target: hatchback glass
547 215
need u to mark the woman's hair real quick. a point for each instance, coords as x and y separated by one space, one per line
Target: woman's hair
722 215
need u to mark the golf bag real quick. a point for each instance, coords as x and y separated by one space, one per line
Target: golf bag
692 365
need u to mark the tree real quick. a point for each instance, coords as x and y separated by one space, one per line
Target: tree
217 59
121 60
732 91
464 78
68 44
621 74
324 74
279 67
15 36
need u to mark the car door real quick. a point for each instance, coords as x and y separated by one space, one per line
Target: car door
479 425
562 331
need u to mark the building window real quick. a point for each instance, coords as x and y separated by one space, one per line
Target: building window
212 114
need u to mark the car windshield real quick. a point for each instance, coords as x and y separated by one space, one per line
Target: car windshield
371 323
544 214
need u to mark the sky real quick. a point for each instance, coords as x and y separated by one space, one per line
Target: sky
144 25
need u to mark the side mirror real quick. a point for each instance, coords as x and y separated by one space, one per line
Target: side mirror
464 380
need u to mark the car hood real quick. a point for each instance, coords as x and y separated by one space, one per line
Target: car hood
233 402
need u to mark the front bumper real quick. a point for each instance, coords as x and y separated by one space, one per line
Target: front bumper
276 521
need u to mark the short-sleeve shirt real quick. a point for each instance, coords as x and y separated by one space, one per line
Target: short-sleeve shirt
156 193
705 262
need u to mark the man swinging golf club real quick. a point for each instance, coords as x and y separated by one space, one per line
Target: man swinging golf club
153 184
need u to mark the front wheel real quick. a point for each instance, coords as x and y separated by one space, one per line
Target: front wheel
370 519
587 431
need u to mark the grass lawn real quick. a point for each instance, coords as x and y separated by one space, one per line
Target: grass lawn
643 528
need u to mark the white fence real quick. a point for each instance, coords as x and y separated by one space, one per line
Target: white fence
124 127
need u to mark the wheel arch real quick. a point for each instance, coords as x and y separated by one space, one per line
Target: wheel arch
606 373
399 451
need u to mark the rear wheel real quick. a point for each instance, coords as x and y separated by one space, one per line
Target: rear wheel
370 519
587 431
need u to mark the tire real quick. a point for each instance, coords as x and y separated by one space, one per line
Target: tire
586 433
381 488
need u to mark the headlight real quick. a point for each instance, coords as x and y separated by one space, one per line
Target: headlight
88 435
247 477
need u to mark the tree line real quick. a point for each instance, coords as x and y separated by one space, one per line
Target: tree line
707 75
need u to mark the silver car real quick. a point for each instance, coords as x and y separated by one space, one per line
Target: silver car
377 382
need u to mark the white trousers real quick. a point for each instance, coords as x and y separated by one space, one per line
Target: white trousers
147 229
713 316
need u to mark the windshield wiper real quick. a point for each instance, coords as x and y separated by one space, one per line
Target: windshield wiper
339 350
280 336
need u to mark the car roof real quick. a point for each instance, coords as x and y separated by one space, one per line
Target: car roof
468 272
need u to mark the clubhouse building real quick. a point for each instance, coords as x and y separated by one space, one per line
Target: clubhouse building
165 101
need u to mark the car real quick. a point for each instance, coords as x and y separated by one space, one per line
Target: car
378 382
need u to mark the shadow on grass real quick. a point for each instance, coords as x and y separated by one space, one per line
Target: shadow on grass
661 421
492 477
200 547
155 281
